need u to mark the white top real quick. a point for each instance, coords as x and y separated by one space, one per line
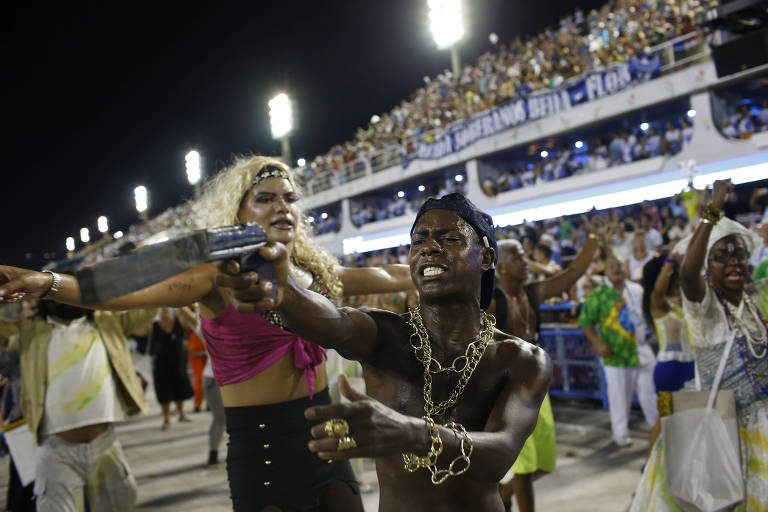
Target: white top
621 247
706 320
636 266
80 390
676 233
674 342
653 240
673 135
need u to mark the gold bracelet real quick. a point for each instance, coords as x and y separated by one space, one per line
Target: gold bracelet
595 237
413 462
457 466
461 462
711 213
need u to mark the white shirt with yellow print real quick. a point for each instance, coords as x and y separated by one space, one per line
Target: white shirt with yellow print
80 390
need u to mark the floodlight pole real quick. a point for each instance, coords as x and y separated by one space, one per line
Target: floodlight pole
456 61
286 150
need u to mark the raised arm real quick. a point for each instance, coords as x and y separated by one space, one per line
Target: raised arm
537 268
691 280
177 291
385 279
310 315
659 306
559 283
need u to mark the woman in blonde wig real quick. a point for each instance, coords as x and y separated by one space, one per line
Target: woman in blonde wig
267 375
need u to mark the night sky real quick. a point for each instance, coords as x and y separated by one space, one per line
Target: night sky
99 99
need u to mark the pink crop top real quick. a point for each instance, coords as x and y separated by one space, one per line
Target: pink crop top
241 346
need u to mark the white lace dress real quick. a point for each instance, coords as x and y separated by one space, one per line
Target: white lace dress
747 376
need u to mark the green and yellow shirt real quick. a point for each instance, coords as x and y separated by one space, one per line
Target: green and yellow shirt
606 308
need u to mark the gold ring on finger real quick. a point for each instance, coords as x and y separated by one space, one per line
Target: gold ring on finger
346 443
336 427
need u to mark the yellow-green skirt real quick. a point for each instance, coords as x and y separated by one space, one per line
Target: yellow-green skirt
539 452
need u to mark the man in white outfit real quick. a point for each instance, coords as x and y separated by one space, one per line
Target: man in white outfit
628 361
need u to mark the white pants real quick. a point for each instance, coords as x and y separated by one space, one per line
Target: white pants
622 384
66 471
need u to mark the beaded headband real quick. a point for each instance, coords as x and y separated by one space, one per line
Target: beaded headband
270 171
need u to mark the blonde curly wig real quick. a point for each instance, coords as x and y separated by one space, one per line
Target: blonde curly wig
220 204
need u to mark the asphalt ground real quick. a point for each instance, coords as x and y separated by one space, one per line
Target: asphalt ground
592 474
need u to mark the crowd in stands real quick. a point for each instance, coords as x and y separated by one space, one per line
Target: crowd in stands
635 233
367 209
563 159
745 119
618 31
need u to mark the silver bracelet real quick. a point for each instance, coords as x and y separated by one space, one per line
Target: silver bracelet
55 284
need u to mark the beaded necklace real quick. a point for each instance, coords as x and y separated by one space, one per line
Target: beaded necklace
746 341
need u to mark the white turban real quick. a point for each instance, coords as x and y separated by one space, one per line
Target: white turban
724 227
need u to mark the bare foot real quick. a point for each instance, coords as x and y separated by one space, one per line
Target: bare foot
184 418
166 425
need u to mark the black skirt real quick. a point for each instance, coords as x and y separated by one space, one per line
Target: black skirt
268 462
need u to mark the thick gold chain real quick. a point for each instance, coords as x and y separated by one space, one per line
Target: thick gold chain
458 465
423 352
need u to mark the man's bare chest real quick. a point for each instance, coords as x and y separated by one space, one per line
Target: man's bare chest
406 393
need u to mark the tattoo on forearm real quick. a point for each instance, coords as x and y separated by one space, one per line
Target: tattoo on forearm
178 285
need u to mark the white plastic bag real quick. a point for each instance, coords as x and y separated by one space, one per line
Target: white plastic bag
701 446
702 460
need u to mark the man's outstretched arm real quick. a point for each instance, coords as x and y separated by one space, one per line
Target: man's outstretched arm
310 315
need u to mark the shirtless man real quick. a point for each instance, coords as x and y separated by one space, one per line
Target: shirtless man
516 308
407 409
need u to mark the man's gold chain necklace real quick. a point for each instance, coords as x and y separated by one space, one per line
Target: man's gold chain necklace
464 364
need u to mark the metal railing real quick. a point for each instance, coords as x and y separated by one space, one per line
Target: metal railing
682 51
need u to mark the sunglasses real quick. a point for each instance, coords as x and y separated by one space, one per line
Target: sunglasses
722 255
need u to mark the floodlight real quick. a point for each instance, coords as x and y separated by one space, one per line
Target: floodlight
445 21
192 161
280 115
102 224
140 194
